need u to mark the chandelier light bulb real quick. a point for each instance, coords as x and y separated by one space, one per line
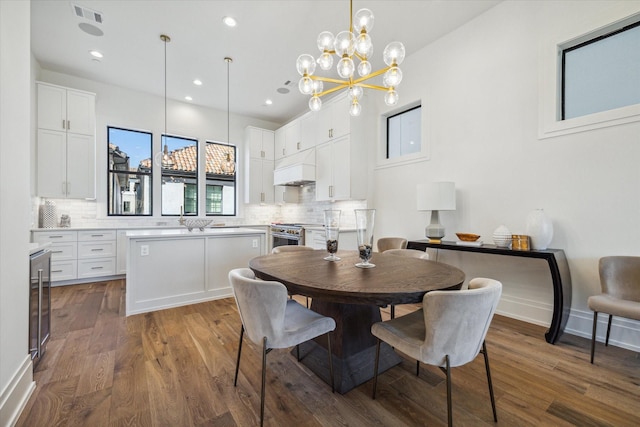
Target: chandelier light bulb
306 64
305 85
344 43
364 68
315 103
325 41
363 20
392 77
346 67
355 92
325 61
355 108
391 97
363 43
318 86
393 53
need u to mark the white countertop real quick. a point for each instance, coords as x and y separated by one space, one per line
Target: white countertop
183 232
144 227
345 229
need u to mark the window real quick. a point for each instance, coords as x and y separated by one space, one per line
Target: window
404 133
130 171
179 175
221 187
602 73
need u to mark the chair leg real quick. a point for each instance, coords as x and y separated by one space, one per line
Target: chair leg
393 311
417 368
307 302
606 342
298 351
593 335
449 411
333 386
375 370
264 377
235 380
486 364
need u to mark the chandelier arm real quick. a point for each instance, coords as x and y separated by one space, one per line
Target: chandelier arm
376 87
371 75
330 80
333 89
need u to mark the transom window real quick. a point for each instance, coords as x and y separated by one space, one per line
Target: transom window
404 132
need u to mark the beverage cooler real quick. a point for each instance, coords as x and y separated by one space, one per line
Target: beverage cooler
39 303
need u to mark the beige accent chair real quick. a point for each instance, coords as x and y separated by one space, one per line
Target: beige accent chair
448 331
620 282
410 253
292 248
386 243
273 321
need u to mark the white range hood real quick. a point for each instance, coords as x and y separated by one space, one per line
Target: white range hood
297 169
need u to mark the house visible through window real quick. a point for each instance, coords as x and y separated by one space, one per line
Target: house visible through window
129 172
179 175
404 133
221 186
602 73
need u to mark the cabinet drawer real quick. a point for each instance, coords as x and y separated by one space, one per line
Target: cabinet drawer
96 235
96 249
96 267
55 236
63 251
63 270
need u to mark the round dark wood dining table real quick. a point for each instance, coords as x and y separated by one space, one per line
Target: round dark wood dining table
353 297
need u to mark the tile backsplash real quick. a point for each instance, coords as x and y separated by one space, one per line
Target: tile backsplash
84 213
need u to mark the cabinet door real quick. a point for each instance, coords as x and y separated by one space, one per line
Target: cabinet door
52 106
340 117
254 143
267 181
279 144
323 171
80 113
292 138
253 189
268 142
284 194
81 168
308 130
52 164
341 158
324 123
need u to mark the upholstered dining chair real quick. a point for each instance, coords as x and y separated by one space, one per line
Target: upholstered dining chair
620 283
410 253
292 248
448 331
386 243
273 321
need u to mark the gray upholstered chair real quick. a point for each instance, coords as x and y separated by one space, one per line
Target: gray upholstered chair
273 321
448 331
386 243
411 253
292 248
620 282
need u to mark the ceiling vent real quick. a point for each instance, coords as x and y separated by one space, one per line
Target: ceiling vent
83 12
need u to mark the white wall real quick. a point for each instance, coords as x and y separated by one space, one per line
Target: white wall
479 87
16 381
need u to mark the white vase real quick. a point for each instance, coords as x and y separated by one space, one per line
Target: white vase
502 237
539 228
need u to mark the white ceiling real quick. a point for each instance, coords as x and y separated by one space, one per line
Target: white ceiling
264 45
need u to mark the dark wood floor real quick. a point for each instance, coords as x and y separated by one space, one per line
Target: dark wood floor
175 368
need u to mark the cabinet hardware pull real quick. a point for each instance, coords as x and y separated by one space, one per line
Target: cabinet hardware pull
97 235
97 250
283 151
64 124
56 271
56 252
97 268
68 124
56 237
261 153
298 145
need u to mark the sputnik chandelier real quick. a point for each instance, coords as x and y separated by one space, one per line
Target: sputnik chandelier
349 45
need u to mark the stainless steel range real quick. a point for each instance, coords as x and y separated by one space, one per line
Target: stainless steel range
287 234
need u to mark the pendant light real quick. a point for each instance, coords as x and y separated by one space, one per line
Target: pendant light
167 162
228 165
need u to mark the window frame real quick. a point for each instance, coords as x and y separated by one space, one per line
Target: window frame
389 117
382 160
550 123
221 178
149 174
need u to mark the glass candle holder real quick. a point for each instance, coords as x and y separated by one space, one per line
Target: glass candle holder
365 219
332 230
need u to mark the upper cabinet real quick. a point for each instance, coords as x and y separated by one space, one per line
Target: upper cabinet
260 143
66 142
308 130
292 143
280 143
258 168
334 119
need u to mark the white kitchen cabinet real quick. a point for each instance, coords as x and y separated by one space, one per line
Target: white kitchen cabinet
334 119
259 165
66 143
292 138
64 252
333 170
316 238
308 130
286 194
279 149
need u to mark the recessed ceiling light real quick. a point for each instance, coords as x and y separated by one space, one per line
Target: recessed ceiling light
188 98
96 54
229 21
197 82
268 102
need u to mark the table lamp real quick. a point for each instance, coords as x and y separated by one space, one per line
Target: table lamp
435 197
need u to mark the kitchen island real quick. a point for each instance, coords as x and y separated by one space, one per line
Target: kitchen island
171 268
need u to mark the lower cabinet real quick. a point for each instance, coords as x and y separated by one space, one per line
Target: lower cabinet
316 239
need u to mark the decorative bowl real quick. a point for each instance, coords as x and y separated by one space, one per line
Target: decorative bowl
468 237
195 223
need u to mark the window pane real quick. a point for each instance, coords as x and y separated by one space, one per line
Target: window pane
129 172
404 133
602 74
221 187
179 175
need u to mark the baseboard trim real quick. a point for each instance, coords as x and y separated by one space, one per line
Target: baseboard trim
625 333
16 394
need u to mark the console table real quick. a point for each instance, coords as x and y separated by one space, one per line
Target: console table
560 276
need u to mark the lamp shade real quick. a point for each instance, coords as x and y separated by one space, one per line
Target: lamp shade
437 196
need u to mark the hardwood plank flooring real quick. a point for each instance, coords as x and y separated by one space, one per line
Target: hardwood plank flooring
175 368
